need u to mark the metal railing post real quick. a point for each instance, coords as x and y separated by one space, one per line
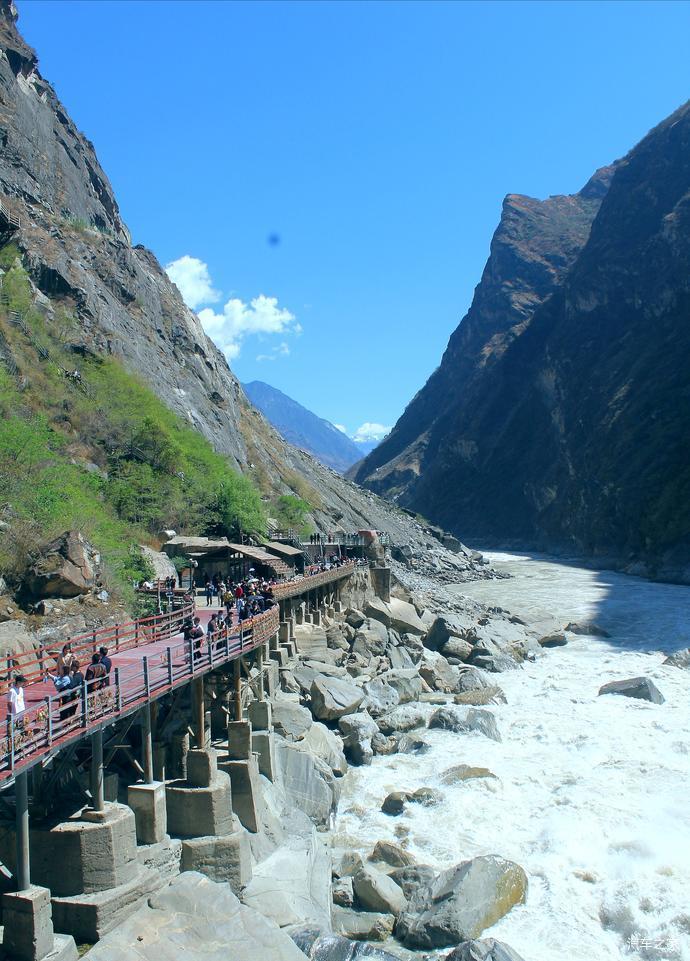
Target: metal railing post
147 683
118 691
84 704
49 725
169 660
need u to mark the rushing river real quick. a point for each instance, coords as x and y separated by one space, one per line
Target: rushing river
593 793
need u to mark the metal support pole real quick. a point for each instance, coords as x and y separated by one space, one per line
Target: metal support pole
238 690
198 690
260 668
21 792
147 743
97 795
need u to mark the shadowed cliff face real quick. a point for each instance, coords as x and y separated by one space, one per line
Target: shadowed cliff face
559 416
533 247
79 255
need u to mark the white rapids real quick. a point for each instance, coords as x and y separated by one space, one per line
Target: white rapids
592 796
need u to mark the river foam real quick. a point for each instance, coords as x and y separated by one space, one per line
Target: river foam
592 792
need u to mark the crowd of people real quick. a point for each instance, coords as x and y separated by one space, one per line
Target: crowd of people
68 679
242 599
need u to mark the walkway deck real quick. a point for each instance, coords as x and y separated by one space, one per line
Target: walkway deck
150 659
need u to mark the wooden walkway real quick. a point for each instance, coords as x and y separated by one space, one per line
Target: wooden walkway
149 660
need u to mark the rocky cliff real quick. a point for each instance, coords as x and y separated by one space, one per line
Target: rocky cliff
79 256
558 417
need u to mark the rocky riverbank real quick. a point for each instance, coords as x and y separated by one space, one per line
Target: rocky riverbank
333 867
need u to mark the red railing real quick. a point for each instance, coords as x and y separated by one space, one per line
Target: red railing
33 665
310 581
61 718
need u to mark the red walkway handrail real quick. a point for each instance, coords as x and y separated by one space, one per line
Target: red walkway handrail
56 721
117 638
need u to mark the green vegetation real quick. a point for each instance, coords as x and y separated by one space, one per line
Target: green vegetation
114 463
291 512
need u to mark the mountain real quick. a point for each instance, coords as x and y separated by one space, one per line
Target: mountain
304 429
559 416
108 305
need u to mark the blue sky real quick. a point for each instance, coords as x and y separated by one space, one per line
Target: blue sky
337 169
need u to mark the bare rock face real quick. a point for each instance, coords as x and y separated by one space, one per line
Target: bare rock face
461 902
67 567
535 427
486 949
195 917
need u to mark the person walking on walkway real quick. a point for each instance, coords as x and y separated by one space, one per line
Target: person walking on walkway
107 664
15 699
209 594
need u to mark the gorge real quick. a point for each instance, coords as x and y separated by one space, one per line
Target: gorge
408 748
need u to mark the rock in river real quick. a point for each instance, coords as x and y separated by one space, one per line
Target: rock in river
332 698
639 687
461 902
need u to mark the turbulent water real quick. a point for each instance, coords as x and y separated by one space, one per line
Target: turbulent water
592 796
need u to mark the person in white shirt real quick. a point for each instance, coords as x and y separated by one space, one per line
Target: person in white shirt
15 697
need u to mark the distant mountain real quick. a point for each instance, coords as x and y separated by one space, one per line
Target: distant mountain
559 416
304 429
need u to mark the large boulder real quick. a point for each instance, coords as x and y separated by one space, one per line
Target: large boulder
461 902
378 610
496 663
290 719
354 618
412 878
362 925
391 854
320 946
403 718
326 745
195 917
308 782
447 626
465 772
471 679
404 617
406 682
475 719
457 647
587 628
293 884
640 687
487 949
333 698
67 567
679 659
380 697
438 673
357 731
375 891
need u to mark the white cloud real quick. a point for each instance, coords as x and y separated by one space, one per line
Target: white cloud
371 431
193 281
261 317
282 350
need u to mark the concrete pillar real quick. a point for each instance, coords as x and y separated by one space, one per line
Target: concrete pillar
28 925
284 632
259 714
239 740
299 614
148 803
264 748
23 869
97 791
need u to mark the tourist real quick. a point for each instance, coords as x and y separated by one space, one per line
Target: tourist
212 628
209 594
107 664
76 684
15 699
96 674
195 636
63 660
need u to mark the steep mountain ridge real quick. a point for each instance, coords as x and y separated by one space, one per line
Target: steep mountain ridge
80 258
535 243
302 428
575 439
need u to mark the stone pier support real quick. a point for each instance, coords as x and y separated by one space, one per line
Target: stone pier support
150 811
